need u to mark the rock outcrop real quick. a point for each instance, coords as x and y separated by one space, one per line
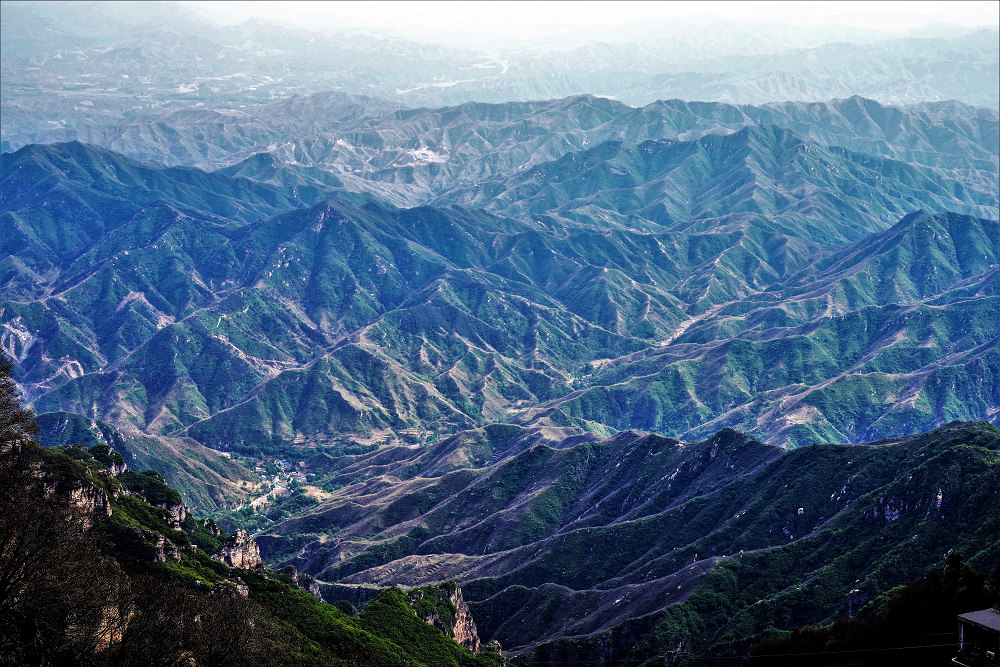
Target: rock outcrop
91 500
177 513
232 587
444 607
240 551
306 583
157 547
113 460
211 527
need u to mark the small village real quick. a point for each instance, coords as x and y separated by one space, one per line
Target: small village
278 477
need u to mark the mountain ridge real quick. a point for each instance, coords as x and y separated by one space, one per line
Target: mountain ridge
543 308
539 543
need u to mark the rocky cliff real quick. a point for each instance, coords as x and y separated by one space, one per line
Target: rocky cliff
305 582
91 500
177 511
81 495
240 551
443 606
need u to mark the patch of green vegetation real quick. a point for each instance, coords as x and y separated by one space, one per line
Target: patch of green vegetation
151 485
431 602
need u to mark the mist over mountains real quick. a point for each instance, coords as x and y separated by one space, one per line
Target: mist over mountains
81 64
573 322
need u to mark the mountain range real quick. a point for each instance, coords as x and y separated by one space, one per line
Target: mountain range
639 549
672 285
651 379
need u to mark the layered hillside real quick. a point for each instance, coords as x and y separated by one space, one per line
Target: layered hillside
416 153
641 547
173 303
759 175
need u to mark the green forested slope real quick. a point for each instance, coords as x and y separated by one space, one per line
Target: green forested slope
102 566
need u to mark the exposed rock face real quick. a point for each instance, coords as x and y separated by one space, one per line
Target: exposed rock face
457 624
91 500
312 587
303 582
306 583
240 551
177 513
210 526
228 587
115 461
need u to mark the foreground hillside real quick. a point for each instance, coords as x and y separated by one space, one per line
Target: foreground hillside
101 565
633 550
641 546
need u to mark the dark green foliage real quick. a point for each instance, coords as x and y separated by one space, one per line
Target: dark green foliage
64 469
106 456
17 424
390 616
151 486
386 632
430 602
202 536
921 615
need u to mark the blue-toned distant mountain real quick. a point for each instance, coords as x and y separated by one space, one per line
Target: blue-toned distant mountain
769 176
441 147
595 160
173 302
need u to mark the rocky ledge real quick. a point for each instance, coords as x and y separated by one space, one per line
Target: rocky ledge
240 551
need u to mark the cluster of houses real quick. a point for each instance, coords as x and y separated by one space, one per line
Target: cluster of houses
294 472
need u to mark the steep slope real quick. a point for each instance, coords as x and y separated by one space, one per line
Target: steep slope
58 201
207 479
637 546
882 337
105 565
901 621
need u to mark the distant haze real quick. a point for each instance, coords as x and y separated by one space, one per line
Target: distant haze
533 20
70 68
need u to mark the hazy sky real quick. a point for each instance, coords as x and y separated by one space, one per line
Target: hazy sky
528 20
